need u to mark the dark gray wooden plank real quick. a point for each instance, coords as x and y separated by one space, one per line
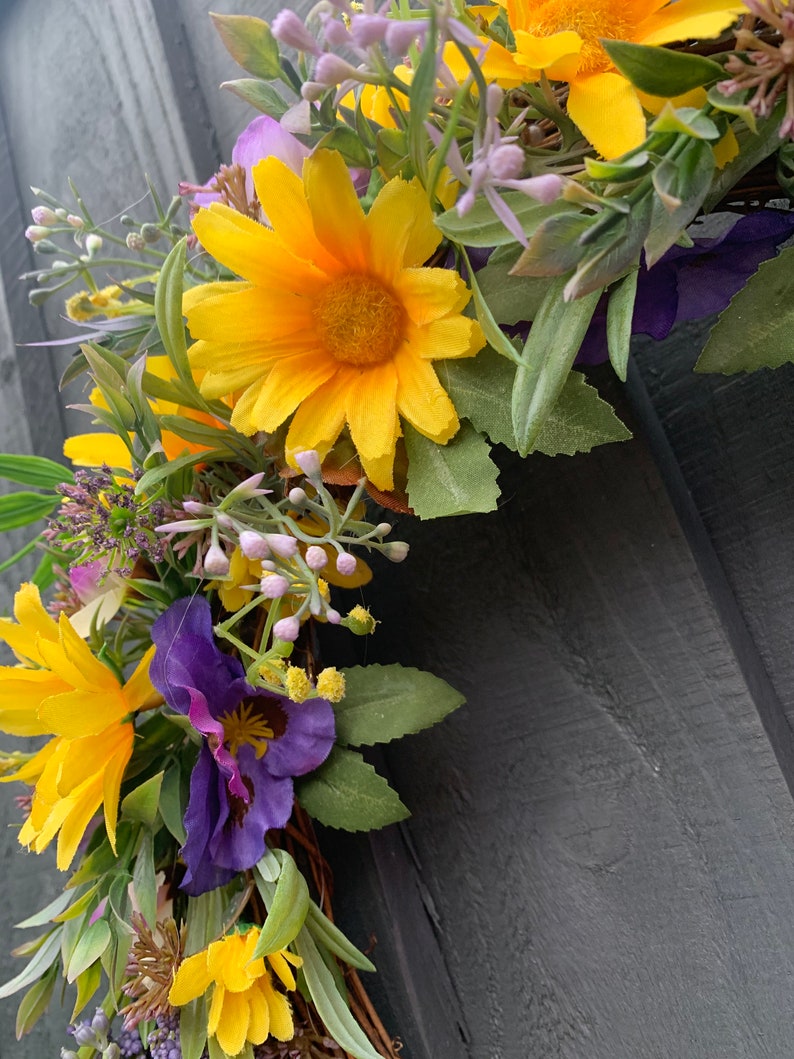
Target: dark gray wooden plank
603 830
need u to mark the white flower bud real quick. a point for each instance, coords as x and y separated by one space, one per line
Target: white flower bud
253 545
216 563
316 557
282 544
287 629
274 586
43 215
346 564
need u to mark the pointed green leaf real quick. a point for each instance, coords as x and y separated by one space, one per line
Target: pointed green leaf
480 226
579 421
330 937
48 913
87 984
344 140
687 179
347 793
144 885
687 121
165 470
90 945
458 478
737 106
331 1006
661 71
172 807
35 1002
511 299
260 95
23 508
757 328
554 340
382 703
286 910
33 470
620 312
168 310
556 247
250 43
193 1028
141 804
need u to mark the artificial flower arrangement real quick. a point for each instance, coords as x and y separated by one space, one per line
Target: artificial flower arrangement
441 212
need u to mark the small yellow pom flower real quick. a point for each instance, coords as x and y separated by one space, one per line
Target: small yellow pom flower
244 1004
331 685
359 621
297 684
84 305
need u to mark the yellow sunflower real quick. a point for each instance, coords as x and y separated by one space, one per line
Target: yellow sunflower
335 322
562 38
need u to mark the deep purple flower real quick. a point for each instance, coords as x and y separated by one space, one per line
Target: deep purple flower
254 743
689 283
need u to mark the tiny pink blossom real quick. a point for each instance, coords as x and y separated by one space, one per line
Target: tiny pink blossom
253 545
316 557
274 587
282 544
288 29
287 629
346 564
216 564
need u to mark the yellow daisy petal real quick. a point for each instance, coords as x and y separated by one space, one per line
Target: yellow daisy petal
688 19
192 980
557 55
606 109
424 402
336 212
290 381
92 450
232 1027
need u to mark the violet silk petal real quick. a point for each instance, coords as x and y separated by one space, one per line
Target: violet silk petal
238 790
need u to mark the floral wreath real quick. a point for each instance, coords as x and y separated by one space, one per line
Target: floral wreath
440 216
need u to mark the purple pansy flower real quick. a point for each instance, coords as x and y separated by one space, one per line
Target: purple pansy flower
254 743
691 282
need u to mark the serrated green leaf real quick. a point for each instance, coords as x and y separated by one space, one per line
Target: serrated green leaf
620 313
250 43
579 421
23 508
35 1002
661 71
89 948
757 328
347 793
480 389
286 910
331 1007
382 703
458 478
260 95
33 470
330 937
554 340
482 227
141 804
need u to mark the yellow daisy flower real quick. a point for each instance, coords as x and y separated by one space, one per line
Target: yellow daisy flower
335 322
562 39
62 689
244 1006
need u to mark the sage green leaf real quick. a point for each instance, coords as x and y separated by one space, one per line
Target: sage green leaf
156 474
511 299
168 310
172 808
33 470
757 328
754 148
422 96
141 803
23 508
480 388
382 703
661 71
556 246
48 913
344 140
250 43
617 250
735 105
579 421
482 227
616 171
620 311
458 478
90 945
286 910
204 920
391 146
260 95
687 121
87 984
347 793
35 1002
554 340
144 885
687 180
329 936
331 1006
193 1028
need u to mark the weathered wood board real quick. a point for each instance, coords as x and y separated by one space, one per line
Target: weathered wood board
601 857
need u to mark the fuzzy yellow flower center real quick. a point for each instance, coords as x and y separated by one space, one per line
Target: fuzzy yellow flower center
591 20
244 725
359 321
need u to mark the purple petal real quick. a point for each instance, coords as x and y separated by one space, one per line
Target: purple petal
203 721
307 741
207 795
262 138
238 840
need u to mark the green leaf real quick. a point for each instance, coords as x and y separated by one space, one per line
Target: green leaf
686 179
480 389
391 146
661 71
193 1028
48 913
754 148
556 246
35 1002
165 470
90 946
331 1006
620 311
344 140
686 121
733 105
286 910
757 328
458 478
494 335
511 299
172 808
480 226
250 43
618 170
615 251
168 310
260 95
579 421
330 937
141 803
144 885
87 984
347 793
33 470
382 703
422 95
23 508
554 340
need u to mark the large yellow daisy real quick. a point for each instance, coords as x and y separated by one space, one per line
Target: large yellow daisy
335 321
562 39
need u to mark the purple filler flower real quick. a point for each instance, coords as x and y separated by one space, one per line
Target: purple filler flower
254 743
689 283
